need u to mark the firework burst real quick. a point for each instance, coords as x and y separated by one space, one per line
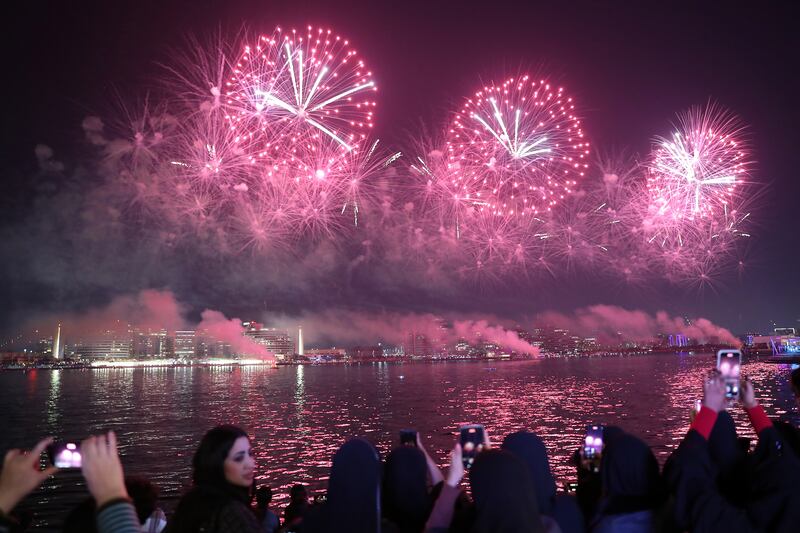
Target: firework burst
518 148
695 173
292 86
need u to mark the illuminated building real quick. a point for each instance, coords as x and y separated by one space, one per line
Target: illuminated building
391 350
106 346
678 340
151 344
418 345
366 352
57 344
277 341
185 346
300 348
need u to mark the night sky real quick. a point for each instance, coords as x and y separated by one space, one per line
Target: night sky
631 66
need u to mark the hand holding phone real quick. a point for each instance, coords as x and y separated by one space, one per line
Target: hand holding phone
64 455
472 438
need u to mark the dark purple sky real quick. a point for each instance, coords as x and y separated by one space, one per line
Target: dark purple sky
631 66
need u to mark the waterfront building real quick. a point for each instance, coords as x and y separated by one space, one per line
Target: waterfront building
418 345
325 354
107 346
365 352
300 347
57 347
151 344
390 350
185 345
277 341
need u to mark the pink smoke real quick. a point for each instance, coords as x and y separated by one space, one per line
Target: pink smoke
351 327
609 322
231 331
148 309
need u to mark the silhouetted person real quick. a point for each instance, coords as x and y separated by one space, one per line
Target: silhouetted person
269 520
298 506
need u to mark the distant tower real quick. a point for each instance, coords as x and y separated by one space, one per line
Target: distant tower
57 344
300 349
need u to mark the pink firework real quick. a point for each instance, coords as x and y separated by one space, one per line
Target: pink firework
272 149
293 87
518 147
694 173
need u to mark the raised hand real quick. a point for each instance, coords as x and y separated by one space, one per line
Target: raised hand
748 394
21 475
714 393
102 468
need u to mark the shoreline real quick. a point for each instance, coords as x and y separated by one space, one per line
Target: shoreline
231 363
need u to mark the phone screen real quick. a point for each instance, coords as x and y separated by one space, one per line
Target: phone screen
408 437
472 441
64 455
729 364
593 442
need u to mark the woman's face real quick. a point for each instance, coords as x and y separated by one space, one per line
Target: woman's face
240 465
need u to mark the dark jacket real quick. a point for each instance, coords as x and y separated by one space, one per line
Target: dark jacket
214 510
771 477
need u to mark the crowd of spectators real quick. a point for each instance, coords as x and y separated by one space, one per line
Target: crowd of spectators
713 481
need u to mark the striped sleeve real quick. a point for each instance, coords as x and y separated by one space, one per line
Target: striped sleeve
118 517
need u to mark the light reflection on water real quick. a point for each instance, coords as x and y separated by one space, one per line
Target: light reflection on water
298 416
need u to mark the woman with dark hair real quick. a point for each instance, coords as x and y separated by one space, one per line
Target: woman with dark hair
354 500
222 473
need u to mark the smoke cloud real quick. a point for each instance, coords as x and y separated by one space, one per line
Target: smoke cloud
609 322
350 327
230 331
152 310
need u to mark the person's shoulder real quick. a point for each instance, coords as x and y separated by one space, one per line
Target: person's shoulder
638 522
236 516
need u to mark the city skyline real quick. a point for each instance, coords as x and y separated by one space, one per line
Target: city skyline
83 228
437 337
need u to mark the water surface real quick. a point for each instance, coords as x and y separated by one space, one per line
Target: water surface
297 416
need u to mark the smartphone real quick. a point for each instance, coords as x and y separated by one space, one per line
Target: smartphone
64 455
729 364
472 441
593 442
408 437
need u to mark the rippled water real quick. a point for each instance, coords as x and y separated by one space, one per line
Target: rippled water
297 416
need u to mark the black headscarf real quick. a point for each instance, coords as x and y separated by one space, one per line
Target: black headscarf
771 488
728 458
630 478
531 450
406 501
353 503
211 491
505 500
